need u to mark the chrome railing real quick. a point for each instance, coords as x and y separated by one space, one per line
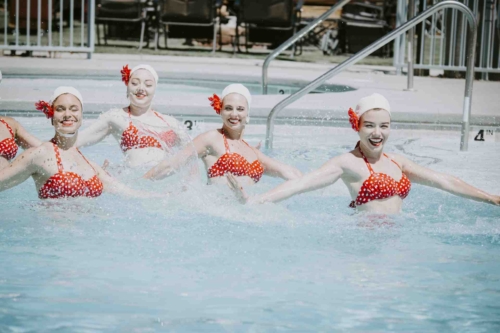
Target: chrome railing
471 44
411 47
78 36
292 40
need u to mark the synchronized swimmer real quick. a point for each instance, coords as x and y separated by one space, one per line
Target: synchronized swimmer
370 174
58 168
224 151
139 148
377 182
13 135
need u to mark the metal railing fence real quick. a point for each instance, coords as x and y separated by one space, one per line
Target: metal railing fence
440 41
48 25
469 56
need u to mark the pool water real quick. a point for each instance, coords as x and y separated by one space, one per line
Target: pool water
199 261
172 85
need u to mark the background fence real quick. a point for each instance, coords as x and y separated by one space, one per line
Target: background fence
440 41
68 25
48 25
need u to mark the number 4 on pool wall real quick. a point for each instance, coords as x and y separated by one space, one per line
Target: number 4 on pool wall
479 136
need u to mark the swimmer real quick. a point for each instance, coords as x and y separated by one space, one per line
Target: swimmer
224 151
58 168
377 182
12 135
139 148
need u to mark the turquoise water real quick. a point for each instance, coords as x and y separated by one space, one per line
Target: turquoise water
198 261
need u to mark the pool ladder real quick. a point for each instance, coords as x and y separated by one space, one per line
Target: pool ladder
469 77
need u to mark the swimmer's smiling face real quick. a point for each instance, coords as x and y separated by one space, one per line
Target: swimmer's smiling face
374 129
141 88
234 111
67 114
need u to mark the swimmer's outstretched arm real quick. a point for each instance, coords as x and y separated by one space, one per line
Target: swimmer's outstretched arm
168 168
422 175
326 175
95 132
23 137
112 185
21 168
276 168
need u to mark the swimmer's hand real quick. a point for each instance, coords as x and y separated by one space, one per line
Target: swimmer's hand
238 190
158 172
105 164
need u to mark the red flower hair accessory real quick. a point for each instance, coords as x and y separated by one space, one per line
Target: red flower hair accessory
125 74
216 103
46 108
353 119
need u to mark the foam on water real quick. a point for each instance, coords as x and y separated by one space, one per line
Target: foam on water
199 261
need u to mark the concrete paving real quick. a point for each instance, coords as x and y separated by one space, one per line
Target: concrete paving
435 100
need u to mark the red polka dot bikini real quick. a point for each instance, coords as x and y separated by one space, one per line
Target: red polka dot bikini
69 184
131 139
380 186
235 164
8 146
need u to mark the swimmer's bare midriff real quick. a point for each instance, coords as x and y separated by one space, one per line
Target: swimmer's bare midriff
390 205
144 156
243 180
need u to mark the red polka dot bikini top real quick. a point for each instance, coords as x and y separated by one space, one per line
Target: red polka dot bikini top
69 184
8 147
131 139
380 185
235 164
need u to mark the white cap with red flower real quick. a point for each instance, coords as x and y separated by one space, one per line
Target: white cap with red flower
374 101
47 107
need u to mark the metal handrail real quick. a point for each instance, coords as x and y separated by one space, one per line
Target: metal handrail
411 47
469 79
292 40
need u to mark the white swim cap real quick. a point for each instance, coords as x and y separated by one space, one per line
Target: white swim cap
374 101
239 89
146 67
66 90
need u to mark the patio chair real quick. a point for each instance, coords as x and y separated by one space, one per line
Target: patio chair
268 21
189 19
362 24
121 11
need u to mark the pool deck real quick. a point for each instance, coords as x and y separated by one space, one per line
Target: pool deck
434 101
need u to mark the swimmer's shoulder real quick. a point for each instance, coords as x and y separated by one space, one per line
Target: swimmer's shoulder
346 161
348 158
112 115
11 121
399 159
207 139
169 119
43 148
8 119
209 135
38 154
113 112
